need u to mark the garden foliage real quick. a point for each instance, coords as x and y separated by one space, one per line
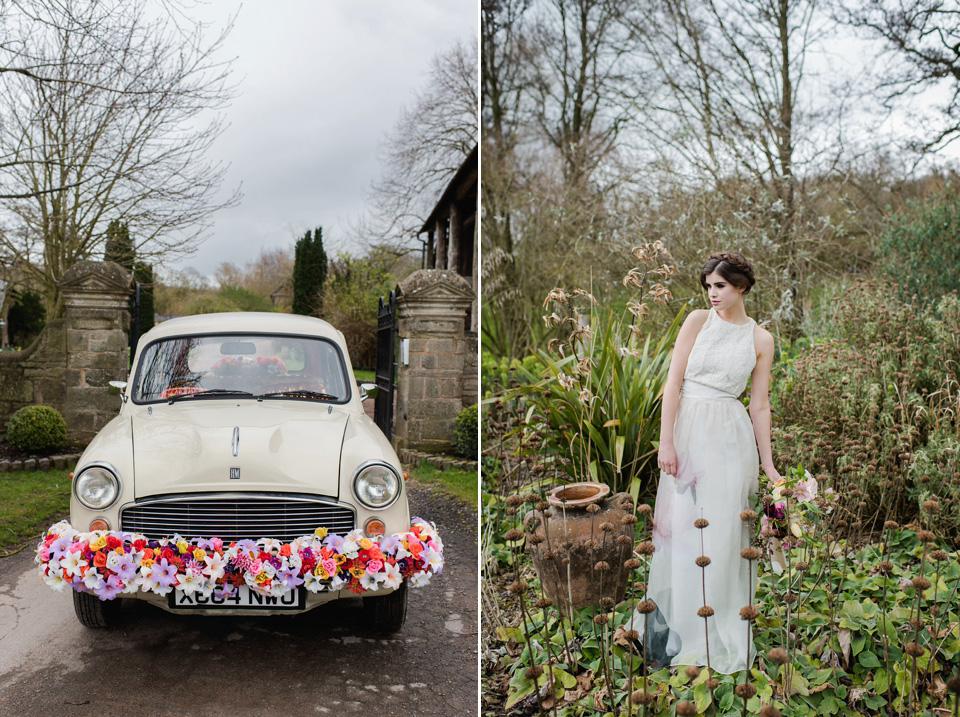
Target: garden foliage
37 428
919 249
875 407
600 406
309 273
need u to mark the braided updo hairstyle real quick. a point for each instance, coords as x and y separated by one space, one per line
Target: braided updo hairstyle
732 266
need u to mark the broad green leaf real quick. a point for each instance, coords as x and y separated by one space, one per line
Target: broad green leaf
798 685
701 696
880 681
868 659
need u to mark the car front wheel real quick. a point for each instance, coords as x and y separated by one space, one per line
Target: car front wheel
386 614
95 613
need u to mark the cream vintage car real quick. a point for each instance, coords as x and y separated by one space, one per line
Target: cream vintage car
241 476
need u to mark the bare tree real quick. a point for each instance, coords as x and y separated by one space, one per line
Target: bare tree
111 122
921 51
428 143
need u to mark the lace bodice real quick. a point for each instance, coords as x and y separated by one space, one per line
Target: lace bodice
723 355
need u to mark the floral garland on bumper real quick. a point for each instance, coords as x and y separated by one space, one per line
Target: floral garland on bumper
108 564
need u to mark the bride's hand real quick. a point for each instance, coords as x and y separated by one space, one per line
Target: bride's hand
667 459
773 474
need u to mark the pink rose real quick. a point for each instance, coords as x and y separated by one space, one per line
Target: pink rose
374 566
330 565
255 567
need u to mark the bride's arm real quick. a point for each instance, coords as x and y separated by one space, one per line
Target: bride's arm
760 401
667 455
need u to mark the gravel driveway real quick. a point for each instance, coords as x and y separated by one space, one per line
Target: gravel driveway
321 662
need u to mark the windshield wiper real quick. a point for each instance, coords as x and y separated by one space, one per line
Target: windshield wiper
304 394
211 392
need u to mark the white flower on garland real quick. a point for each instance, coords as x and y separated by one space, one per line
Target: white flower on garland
392 576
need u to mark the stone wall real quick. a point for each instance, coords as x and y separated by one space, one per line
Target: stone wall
70 364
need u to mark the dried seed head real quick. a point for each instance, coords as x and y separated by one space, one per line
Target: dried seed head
920 582
513 534
777 655
631 564
691 671
938 555
543 603
591 544
645 509
640 587
745 690
916 623
713 683
934 610
601 566
607 603
535 539
639 697
601 618
645 607
703 561
511 511
769 711
531 498
748 515
685 707
548 513
628 520
884 567
518 586
749 612
514 500
593 508
623 540
645 548
913 649
542 505
802 565
705 611
953 684
750 553
931 506
891 525
701 523
606 526
926 536
533 672
789 598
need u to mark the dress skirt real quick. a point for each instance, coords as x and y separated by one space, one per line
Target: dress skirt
717 474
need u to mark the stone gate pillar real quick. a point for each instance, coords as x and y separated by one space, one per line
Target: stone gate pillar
97 322
433 310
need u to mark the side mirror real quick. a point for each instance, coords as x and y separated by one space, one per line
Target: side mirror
119 387
368 390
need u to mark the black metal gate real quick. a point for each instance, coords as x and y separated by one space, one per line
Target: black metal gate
386 363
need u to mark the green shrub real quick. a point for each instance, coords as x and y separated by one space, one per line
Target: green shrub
37 428
26 319
465 434
919 249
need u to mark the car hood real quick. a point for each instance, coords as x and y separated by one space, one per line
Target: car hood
289 446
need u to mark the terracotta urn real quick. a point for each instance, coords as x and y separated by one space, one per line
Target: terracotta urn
577 555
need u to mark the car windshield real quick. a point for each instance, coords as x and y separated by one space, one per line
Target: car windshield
271 366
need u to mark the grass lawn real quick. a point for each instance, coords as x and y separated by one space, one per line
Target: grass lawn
365 375
29 500
461 484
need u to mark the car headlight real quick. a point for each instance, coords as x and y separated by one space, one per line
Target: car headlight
97 486
376 485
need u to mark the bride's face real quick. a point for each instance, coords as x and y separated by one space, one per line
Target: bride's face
722 294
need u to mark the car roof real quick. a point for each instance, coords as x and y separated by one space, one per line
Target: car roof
241 322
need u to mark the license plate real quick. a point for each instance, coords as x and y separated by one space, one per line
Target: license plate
244 599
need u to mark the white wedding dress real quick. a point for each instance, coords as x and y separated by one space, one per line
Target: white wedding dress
717 473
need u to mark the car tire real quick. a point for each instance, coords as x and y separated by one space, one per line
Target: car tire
385 614
95 613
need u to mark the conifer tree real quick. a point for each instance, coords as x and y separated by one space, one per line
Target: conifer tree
119 245
309 273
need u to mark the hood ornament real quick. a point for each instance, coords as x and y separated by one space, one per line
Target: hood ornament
236 441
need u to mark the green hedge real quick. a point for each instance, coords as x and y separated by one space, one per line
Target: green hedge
37 428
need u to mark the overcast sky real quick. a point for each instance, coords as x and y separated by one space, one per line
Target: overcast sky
320 84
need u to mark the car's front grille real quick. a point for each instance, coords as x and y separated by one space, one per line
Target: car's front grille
235 516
